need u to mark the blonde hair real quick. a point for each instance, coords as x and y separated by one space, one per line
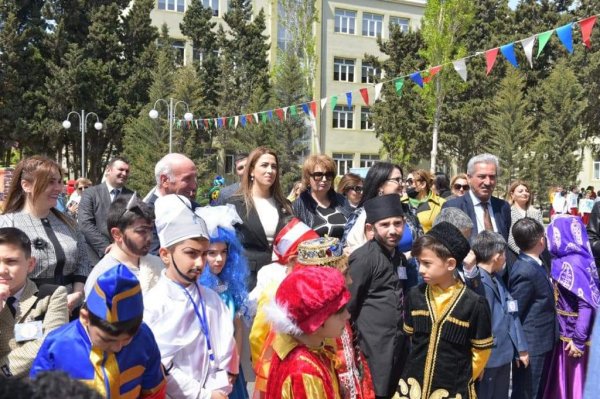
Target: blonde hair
312 161
513 187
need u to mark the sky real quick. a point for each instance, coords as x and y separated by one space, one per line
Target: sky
513 3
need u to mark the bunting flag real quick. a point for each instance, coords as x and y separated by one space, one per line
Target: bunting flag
432 72
224 121
586 30
334 100
460 66
249 119
528 48
231 122
416 77
206 124
508 51
270 115
543 39
323 103
313 108
285 109
378 88
263 117
349 99
565 34
293 110
256 117
280 115
364 93
399 84
219 122
237 120
490 59
305 108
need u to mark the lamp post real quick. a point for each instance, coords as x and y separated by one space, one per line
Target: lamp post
82 124
171 107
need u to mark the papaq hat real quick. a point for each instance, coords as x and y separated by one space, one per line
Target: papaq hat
383 207
116 296
452 239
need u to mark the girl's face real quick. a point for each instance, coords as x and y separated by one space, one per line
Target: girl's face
216 257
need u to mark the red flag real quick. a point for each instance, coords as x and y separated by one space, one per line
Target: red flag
250 119
206 123
432 72
586 30
490 59
279 113
365 95
313 108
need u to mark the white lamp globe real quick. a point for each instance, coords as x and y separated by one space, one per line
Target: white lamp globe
153 114
98 126
66 124
188 116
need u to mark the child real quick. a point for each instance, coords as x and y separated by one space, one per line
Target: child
309 307
509 339
108 347
24 307
450 325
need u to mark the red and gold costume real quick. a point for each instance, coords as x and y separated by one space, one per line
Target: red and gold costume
353 370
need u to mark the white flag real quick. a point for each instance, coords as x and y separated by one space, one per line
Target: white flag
528 47
256 117
460 67
237 119
378 87
323 102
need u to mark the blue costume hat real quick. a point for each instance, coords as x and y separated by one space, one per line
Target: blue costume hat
116 296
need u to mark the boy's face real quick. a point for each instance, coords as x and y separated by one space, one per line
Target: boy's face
14 267
434 269
103 340
136 238
216 257
190 258
334 325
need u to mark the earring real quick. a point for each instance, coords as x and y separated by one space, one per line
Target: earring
380 193
251 177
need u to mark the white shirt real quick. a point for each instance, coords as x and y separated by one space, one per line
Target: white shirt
479 212
268 215
110 191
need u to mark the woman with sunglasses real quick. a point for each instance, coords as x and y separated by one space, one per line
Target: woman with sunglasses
520 199
351 187
421 199
459 185
81 185
319 206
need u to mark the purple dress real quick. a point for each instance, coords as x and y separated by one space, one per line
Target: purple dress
576 289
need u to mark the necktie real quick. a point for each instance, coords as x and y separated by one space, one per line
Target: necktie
113 194
10 302
487 220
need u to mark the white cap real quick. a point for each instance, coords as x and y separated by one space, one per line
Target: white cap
175 221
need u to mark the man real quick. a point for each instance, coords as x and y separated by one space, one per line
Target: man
175 174
130 223
378 272
93 208
228 191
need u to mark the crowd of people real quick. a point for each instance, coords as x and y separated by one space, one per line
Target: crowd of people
401 284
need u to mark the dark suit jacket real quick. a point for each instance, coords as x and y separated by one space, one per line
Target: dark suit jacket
530 286
91 217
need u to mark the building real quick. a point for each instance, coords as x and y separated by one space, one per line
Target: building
346 30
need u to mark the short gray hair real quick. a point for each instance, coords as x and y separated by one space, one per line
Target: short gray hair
455 217
482 158
487 244
165 166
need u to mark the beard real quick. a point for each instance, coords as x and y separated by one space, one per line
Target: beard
135 249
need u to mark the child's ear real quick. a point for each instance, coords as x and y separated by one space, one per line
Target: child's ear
115 234
84 315
163 253
451 264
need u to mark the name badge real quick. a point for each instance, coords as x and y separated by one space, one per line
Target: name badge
402 273
513 306
28 331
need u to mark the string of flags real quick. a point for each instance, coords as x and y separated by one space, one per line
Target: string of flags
420 78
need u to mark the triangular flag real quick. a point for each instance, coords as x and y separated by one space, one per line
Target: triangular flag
460 66
432 72
249 119
206 125
364 93
378 88
237 121
270 115
285 109
305 109
313 108
230 120
508 51
399 84
528 48
196 123
293 111
279 113
224 121
256 117
490 59
565 34
243 120
178 123
416 77
263 117
349 99
586 26
219 122
543 40
334 100
323 102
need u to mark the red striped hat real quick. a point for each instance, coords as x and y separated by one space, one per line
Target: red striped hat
287 241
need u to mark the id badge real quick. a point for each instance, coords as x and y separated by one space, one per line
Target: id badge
402 273
28 331
218 381
512 306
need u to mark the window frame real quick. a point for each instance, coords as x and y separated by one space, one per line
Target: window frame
171 5
368 160
596 165
372 20
365 77
403 28
344 15
348 117
215 11
344 159
346 64
368 125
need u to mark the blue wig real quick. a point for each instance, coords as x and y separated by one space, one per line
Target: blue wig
234 273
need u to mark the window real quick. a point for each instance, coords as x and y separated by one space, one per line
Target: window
403 23
345 21
366 119
284 37
343 70
179 48
372 25
213 4
172 5
343 163
198 54
366 161
342 117
597 170
369 73
229 164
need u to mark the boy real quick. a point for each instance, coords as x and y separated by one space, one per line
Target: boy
108 347
450 324
309 307
27 313
509 339
192 325
530 286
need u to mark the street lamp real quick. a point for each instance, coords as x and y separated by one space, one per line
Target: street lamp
82 124
172 107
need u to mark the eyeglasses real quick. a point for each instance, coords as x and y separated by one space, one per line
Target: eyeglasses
82 188
320 175
398 180
409 181
464 187
356 189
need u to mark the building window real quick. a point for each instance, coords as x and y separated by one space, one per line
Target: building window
366 161
342 117
179 48
597 170
343 163
212 4
372 24
369 73
343 70
345 21
172 5
366 119
229 164
403 23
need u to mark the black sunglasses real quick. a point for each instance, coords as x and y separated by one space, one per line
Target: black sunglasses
82 188
465 187
357 189
409 181
321 175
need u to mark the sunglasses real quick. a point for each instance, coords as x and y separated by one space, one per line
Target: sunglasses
321 175
82 188
356 189
409 181
464 187
398 180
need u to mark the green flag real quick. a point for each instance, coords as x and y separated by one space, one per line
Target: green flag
263 117
399 85
293 111
333 102
543 40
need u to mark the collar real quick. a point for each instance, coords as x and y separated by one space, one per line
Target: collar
388 254
110 188
436 289
476 200
534 258
283 344
19 293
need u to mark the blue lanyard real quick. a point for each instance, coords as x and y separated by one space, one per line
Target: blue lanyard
201 319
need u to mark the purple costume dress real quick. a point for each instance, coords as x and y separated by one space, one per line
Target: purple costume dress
577 294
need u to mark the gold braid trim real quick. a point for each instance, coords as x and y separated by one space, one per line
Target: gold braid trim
408 329
482 343
565 313
458 322
419 313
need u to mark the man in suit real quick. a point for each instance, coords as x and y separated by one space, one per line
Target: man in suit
94 204
228 191
27 313
530 286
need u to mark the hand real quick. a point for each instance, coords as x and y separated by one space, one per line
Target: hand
73 300
523 358
572 350
218 395
469 262
73 207
4 294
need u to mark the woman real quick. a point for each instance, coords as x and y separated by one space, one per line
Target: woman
351 187
459 185
441 185
57 244
422 201
577 293
521 205
320 207
262 207
81 185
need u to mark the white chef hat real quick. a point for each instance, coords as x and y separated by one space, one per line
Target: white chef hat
175 220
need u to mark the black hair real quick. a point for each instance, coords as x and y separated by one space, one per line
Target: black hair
121 218
487 244
376 177
441 181
118 158
433 244
16 237
527 233
58 384
129 327
240 157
